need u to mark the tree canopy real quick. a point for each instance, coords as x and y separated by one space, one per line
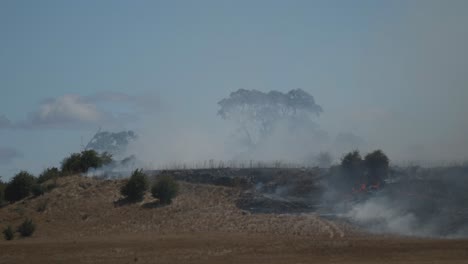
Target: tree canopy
20 186
81 162
110 142
373 169
257 112
135 188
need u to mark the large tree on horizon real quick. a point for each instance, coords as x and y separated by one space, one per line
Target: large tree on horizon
256 112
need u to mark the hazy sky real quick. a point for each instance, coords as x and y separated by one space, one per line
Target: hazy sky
393 73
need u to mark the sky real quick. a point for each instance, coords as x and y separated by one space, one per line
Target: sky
389 74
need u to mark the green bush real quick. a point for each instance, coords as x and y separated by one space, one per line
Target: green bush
165 189
40 189
27 228
48 174
72 164
352 161
92 159
2 193
135 188
81 162
19 187
377 161
377 164
37 190
8 233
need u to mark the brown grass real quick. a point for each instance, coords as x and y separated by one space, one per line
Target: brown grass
84 221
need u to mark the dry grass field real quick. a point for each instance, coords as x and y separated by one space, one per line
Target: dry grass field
84 221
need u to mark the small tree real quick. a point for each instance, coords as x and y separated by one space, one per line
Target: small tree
352 161
71 164
19 187
92 159
37 190
48 174
110 142
8 233
81 162
136 186
377 164
352 167
27 228
165 189
2 193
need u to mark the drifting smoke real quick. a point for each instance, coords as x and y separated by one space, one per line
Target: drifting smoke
379 215
253 125
269 122
281 126
423 202
116 169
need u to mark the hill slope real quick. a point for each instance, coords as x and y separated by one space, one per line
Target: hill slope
81 207
84 221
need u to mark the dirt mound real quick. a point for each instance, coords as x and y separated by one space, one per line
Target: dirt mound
82 207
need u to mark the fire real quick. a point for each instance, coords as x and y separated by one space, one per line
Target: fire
363 187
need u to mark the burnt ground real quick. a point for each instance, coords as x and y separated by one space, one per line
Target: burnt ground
263 190
434 197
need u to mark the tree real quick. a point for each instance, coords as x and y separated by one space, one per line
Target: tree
37 190
81 162
19 187
352 166
110 142
92 159
165 189
135 188
72 164
48 174
352 161
377 164
257 112
2 192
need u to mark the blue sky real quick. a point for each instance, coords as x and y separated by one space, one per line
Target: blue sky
391 72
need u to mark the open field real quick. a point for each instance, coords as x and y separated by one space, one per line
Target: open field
232 248
83 221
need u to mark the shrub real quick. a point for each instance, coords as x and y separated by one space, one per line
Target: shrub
81 162
27 228
377 164
8 233
37 190
19 187
165 189
136 186
50 187
40 189
71 164
92 159
48 174
352 161
376 161
2 193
